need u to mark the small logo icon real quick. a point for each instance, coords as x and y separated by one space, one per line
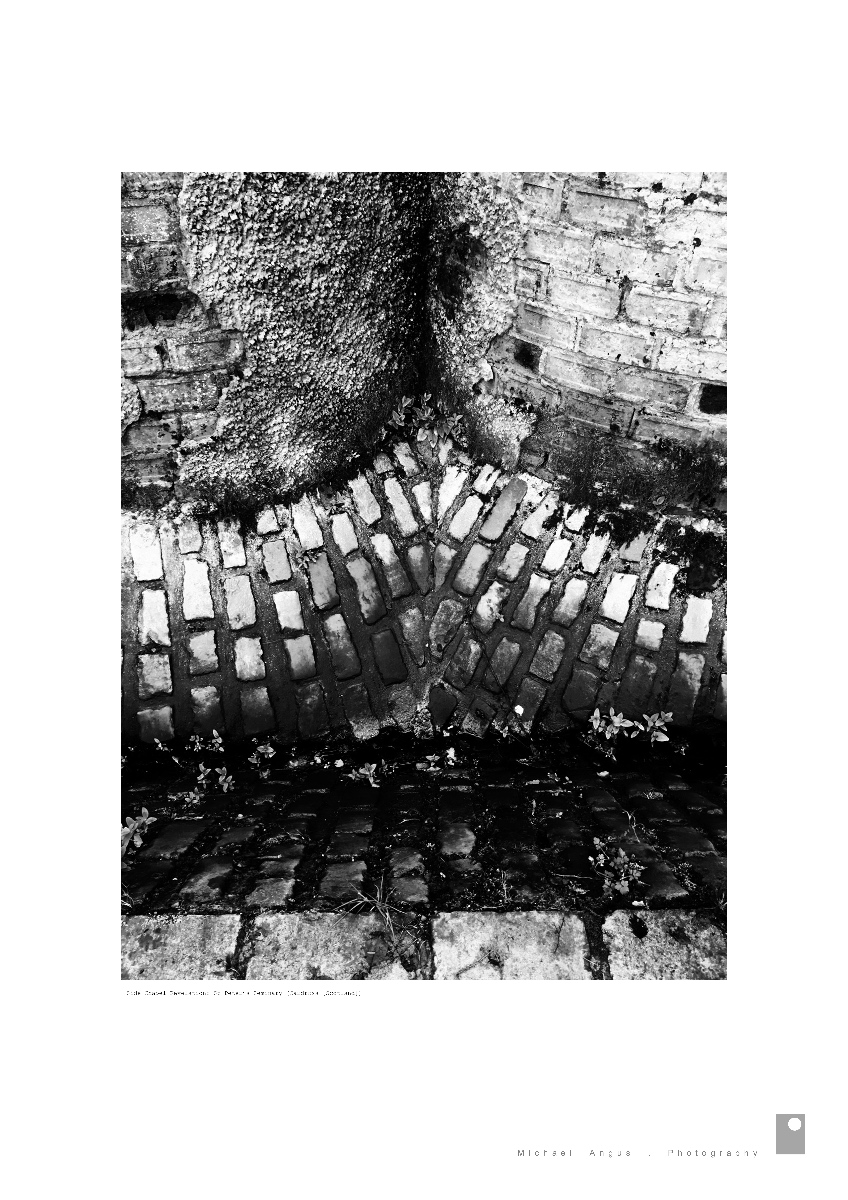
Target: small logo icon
790 1133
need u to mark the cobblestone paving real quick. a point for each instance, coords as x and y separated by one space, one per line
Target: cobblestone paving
504 830
428 588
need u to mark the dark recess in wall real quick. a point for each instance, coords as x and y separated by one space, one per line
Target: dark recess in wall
713 398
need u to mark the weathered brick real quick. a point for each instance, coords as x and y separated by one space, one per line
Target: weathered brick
206 709
541 517
266 521
652 391
443 558
232 546
636 685
581 691
575 519
630 349
148 223
613 213
344 534
594 299
567 248
568 370
614 258
203 656
596 548
464 662
358 711
312 719
371 603
146 553
343 881
471 569
249 661
658 592
455 839
524 616
197 597
409 463
502 662
418 558
175 839
364 500
153 628
301 657
442 705
512 562
486 479
547 658
686 841
306 525
708 273
289 612
649 634
241 610
346 662
685 685
504 510
403 515
619 593
424 500
529 700
715 321
204 353
397 578
599 645
634 550
451 485
488 609
685 224
156 723
389 658
276 560
189 537
406 862
571 601
445 624
273 892
256 711
323 582
556 554
696 619
462 522
414 633
688 358
154 675
542 325
139 361
677 312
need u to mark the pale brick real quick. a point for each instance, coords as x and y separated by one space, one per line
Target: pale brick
638 264
545 326
344 534
424 500
266 521
556 554
512 562
708 273
189 537
715 322
547 658
365 500
203 657
397 578
619 593
451 486
249 661
407 460
486 479
153 629
658 593
241 610
678 313
443 558
599 645
301 657
524 616
649 634
612 213
685 685
628 348
688 358
568 370
461 524
197 597
383 464
276 560
597 300
464 663
306 525
596 548
232 546
414 633
418 558
696 619
206 710
445 624
567 248
371 603
346 662
289 612
322 582
154 675
634 550
537 521
504 510
685 224
488 610
471 570
571 601
146 552
503 660
576 519
256 711
156 723
403 515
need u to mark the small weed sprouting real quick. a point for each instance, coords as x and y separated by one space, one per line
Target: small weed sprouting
132 830
368 772
620 873
427 422
605 729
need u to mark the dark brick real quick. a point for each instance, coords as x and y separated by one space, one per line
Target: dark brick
546 661
445 624
504 510
579 696
464 662
687 842
175 839
342 880
347 845
441 704
346 662
636 684
312 711
389 659
503 660
208 883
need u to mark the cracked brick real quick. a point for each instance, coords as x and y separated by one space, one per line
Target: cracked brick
445 624
443 558
418 558
464 662
371 603
403 514
451 485
502 662
414 633
397 578
537 522
346 662
408 461
486 479
467 578
524 616
241 610
424 500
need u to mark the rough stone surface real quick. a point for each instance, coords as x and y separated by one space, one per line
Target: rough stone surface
677 945
527 945
309 946
179 947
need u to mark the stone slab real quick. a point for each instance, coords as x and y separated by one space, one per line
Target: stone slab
672 945
527 945
178 947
